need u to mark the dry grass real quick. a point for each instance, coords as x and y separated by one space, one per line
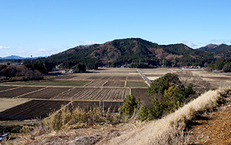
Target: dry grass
71 118
169 130
67 119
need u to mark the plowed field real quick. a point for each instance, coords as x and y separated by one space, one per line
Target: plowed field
112 94
115 84
139 92
37 109
4 88
32 109
85 93
46 93
96 83
95 94
18 91
135 78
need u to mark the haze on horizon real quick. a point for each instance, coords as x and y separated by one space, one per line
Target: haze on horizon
42 28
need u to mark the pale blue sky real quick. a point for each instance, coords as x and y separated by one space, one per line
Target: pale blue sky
45 27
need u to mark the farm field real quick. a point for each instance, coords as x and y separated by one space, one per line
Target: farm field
4 88
96 83
216 79
109 85
136 84
42 108
18 91
95 94
6 103
115 84
32 110
46 93
49 83
139 92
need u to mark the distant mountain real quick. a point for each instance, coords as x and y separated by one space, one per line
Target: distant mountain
219 51
18 57
12 57
132 51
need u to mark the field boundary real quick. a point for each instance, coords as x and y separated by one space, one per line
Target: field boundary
10 89
30 92
62 93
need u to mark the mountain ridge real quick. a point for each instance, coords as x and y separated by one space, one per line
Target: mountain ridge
137 52
219 51
134 51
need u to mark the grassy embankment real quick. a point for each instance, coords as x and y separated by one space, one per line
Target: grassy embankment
171 129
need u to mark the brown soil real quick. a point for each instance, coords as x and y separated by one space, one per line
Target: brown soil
139 93
18 92
213 128
32 110
115 84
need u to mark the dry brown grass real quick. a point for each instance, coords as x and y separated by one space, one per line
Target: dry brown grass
169 130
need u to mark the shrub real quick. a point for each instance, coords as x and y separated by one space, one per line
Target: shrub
80 68
196 82
67 118
173 98
129 106
163 83
167 95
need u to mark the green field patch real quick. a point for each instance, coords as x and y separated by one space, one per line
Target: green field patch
49 83
136 84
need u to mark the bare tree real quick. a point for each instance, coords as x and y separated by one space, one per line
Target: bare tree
199 85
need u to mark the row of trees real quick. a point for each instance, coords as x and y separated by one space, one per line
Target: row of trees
222 64
19 72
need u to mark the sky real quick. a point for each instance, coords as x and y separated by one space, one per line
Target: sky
46 27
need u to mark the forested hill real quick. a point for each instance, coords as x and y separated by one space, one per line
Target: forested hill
134 52
219 51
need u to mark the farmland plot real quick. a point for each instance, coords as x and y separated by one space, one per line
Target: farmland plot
108 78
115 84
18 91
95 94
118 78
32 110
6 103
135 78
136 84
50 83
139 92
64 77
81 94
46 93
96 83
112 94
4 88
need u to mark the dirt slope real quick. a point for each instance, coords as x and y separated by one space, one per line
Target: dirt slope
213 128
